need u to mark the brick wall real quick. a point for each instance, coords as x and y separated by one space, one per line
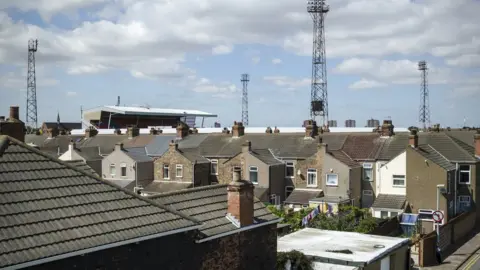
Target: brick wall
180 252
225 168
389 228
172 158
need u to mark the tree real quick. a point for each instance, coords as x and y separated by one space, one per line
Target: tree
348 219
293 218
298 260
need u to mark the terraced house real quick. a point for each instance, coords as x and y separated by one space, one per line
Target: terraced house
49 230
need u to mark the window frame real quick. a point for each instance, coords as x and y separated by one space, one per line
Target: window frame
398 177
253 169
326 180
177 168
214 163
387 215
469 201
365 167
311 171
123 166
366 193
114 170
460 171
425 212
167 168
290 164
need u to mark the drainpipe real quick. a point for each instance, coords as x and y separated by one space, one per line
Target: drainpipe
193 176
455 185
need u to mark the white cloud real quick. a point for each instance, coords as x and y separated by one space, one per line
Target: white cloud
365 84
71 94
276 61
86 69
221 90
255 60
222 49
287 82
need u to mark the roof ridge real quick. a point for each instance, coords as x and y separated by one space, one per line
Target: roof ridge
70 166
188 190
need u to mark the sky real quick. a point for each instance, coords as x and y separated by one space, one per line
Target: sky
191 54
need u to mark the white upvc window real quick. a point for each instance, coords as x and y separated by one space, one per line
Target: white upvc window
179 171
384 214
398 180
425 214
166 171
214 167
368 172
289 169
367 192
331 179
311 177
254 174
464 174
113 170
123 169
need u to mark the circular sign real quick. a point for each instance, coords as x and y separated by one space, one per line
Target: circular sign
437 216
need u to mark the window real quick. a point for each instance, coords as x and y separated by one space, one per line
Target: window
368 172
274 199
214 167
312 177
464 203
112 170
288 191
166 171
425 214
464 177
398 180
289 169
332 180
393 214
384 214
179 171
254 174
368 193
123 169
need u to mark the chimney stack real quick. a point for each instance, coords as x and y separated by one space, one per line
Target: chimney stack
225 131
476 139
413 138
246 146
173 145
387 128
276 130
240 200
52 132
182 130
133 132
238 129
119 146
14 113
13 126
153 131
311 129
72 145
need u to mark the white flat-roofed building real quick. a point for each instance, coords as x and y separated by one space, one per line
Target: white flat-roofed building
348 249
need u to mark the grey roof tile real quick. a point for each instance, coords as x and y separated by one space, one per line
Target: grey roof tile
105 142
266 156
344 158
89 153
389 201
193 155
49 207
139 154
302 196
82 165
432 154
209 204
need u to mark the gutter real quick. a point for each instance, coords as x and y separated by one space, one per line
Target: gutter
99 248
254 226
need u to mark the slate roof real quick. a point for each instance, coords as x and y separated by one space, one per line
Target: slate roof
49 207
344 158
193 155
389 201
209 205
105 142
60 141
430 153
261 193
89 153
159 145
282 145
302 196
448 148
265 156
82 165
138 154
165 186
362 146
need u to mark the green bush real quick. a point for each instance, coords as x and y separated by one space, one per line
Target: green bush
297 259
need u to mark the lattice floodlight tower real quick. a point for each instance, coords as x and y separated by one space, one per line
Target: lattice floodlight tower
319 96
245 78
31 118
424 112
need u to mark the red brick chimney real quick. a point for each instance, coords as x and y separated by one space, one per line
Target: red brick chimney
476 139
387 128
240 200
238 129
173 145
182 130
13 126
413 138
311 128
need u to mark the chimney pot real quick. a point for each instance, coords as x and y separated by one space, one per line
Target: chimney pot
182 130
268 130
311 128
90 132
173 145
238 129
132 132
14 113
240 199
119 146
2 118
387 129
247 146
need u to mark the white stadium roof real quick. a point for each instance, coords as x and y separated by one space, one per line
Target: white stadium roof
150 111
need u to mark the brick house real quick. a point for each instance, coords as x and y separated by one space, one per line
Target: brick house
123 230
445 167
